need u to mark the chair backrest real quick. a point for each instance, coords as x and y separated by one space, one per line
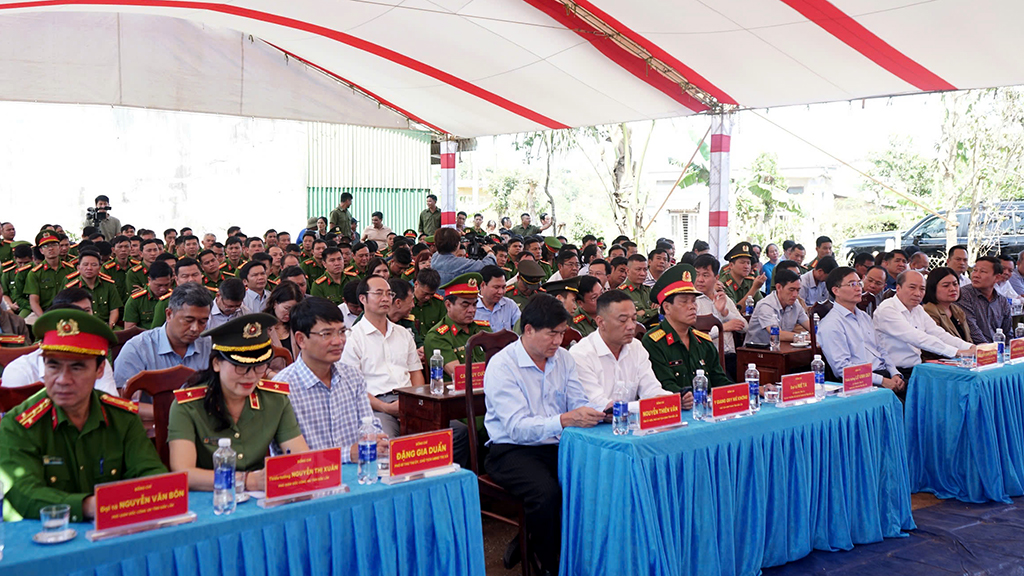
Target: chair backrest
640 331
570 337
11 397
492 343
8 355
705 323
124 336
282 352
160 384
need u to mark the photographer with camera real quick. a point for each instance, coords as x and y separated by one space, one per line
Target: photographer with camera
97 216
446 263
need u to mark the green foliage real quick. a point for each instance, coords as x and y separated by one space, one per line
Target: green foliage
760 204
506 189
904 169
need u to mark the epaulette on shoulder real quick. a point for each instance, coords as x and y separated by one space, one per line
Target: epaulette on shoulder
578 318
8 266
703 335
37 267
213 290
749 278
139 293
106 278
273 282
483 323
24 268
110 265
166 296
443 329
71 263
309 261
272 386
409 271
657 334
122 403
624 286
223 265
73 284
12 339
32 415
411 317
72 276
320 280
438 296
189 394
352 273
137 268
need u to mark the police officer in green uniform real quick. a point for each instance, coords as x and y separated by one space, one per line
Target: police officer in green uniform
106 298
13 278
119 265
454 330
332 284
636 273
46 279
530 277
566 291
232 401
427 307
59 444
738 281
141 305
676 350
584 319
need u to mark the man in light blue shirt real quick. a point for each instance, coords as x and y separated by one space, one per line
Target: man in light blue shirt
493 306
176 343
447 264
812 282
532 392
847 334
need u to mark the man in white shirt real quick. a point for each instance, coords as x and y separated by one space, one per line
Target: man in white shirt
613 355
713 300
812 282
1003 286
383 351
905 329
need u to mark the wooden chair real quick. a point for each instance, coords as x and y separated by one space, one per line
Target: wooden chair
123 336
8 355
160 384
705 323
492 343
11 397
640 331
282 352
570 337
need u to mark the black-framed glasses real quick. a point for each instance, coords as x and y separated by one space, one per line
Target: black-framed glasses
259 369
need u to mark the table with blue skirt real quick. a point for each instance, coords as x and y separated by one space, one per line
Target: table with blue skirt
731 497
425 527
965 432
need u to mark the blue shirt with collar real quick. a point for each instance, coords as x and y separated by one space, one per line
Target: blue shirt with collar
151 350
847 338
503 317
448 266
525 403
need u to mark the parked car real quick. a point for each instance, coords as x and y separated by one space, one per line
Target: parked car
1005 222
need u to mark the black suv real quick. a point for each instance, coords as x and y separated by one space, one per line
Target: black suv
1005 220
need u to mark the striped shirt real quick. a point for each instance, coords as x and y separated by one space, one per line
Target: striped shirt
328 417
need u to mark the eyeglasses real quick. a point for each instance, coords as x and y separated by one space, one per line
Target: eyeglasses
854 284
379 293
330 334
259 369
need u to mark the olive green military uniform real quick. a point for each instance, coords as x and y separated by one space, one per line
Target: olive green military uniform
430 221
341 221
17 278
583 323
524 232
105 295
519 297
8 273
215 282
136 278
353 274
509 269
737 292
675 365
231 270
312 269
6 251
120 276
646 312
160 311
267 417
450 339
324 287
140 307
46 282
428 314
53 462
409 274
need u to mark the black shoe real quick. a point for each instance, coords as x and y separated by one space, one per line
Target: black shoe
512 555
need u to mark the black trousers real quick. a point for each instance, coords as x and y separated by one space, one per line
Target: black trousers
531 473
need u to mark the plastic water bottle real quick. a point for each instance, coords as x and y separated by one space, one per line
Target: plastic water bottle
818 367
224 460
749 310
817 320
754 381
620 410
1000 340
1019 331
368 450
700 396
437 374
383 450
774 337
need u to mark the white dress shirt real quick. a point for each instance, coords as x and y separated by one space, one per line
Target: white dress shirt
1006 290
28 369
350 318
599 371
904 333
384 359
706 305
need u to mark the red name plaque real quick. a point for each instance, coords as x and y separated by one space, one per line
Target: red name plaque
292 474
797 387
661 411
411 454
856 378
988 354
1016 348
142 500
459 378
731 399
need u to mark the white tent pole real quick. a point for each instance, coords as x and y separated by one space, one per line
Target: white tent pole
448 187
718 207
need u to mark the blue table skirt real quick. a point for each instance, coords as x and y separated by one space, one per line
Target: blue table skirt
732 497
965 432
426 527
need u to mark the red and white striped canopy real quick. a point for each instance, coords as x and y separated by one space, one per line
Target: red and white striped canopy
479 67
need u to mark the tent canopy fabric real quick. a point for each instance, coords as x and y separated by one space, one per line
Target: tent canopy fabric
480 67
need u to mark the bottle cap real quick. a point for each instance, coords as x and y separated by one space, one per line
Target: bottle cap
817 356
751 366
437 352
700 372
367 419
224 442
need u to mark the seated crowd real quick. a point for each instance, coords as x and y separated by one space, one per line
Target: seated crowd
362 316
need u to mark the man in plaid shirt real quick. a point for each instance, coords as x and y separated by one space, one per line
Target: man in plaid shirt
329 397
